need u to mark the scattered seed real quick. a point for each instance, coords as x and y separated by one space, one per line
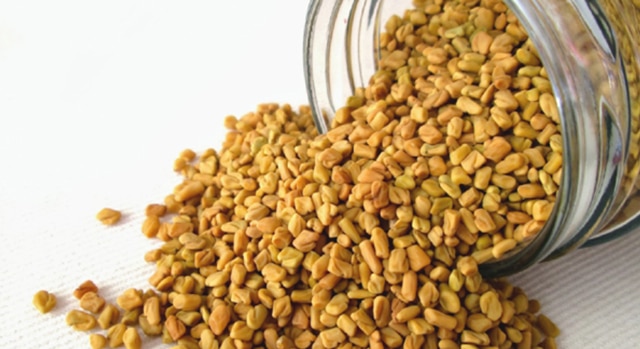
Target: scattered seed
44 301
108 216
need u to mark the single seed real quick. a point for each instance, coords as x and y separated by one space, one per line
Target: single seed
87 286
80 321
131 338
108 216
44 301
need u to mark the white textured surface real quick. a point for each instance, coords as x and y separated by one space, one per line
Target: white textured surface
97 99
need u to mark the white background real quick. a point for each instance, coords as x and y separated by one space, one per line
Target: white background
98 98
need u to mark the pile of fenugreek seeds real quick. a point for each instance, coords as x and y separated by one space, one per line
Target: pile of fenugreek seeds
369 236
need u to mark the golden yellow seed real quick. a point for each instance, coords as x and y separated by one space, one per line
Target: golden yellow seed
547 326
347 325
108 316
469 106
130 299
44 301
87 286
108 216
92 302
189 190
490 305
131 338
440 319
331 338
80 321
503 247
97 341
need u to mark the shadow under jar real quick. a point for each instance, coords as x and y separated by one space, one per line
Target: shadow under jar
590 50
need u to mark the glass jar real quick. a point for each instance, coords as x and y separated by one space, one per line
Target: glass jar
591 53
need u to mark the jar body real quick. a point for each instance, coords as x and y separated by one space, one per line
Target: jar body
591 53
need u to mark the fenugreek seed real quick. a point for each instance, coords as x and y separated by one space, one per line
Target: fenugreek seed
256 316
510 163
547 326
484 221
92 302
418 258
108 316
503 181
188 191
130 317
131 338
369 256
217 279
219 318
408 313
97 341
409 289
130 299
469 106
476 338
87 286
347 325
364 321
490 305
151 226
496 149
187 302
337 305
332 338
109 216
80 321
478 323
398 262
175 328
306 241
240 331
430 134
44 301
452 189
440 319
115 334
157 210
503 247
